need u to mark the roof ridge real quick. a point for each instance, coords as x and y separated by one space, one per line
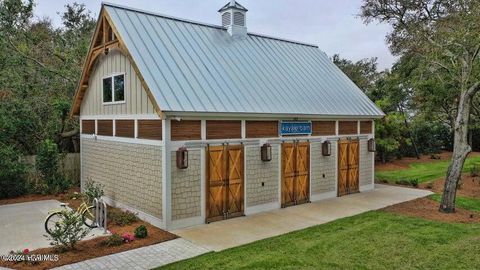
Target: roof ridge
104 3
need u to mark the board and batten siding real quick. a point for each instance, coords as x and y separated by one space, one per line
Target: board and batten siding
136 99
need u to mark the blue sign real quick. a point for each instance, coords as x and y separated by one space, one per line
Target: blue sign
295 128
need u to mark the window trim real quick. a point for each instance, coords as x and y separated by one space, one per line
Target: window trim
111 76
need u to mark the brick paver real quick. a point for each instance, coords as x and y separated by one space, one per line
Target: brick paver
142 258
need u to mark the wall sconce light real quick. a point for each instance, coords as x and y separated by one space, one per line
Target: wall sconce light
326 148
266 152
372 146
182 158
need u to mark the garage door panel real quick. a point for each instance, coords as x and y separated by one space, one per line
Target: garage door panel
225 182
348 167
235 181
295 173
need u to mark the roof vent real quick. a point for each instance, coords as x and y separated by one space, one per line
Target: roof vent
234 19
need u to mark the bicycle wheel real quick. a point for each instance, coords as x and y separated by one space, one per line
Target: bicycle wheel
52 221
88 217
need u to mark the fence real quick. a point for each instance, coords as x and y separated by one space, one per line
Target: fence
69 166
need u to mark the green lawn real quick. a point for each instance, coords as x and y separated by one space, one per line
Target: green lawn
461 202
373 240
424 172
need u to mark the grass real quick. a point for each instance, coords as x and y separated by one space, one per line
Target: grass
373 240
424 172
461 202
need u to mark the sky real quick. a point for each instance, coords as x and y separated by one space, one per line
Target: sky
333 25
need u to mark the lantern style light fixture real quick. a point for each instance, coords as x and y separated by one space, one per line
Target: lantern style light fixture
372 146
326 148
266 152
182 158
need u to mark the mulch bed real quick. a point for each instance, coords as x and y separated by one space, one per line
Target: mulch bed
470 186
405 162
428 209
39 197
87 249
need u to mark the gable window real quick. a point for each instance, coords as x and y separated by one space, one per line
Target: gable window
114 89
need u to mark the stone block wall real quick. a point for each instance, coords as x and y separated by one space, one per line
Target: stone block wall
186 187
366 164
323 168
258 172
131 173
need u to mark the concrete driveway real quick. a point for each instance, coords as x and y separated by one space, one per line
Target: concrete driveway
235 232
22 225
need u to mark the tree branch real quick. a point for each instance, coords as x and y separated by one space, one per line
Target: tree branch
42 65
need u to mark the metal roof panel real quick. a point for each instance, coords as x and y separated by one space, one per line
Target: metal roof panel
199 68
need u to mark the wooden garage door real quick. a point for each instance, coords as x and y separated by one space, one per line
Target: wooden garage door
295 173
348 167
234 181
288 174
353 167
225 176
216 184
302 187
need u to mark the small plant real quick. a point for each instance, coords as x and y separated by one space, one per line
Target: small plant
141 231
121 218
113 240
128 237
475 170
67 233
93 190
402 182
414 182
406 182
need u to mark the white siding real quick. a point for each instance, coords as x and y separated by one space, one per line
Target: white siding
136 99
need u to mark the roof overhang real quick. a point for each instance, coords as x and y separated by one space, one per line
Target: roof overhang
268 116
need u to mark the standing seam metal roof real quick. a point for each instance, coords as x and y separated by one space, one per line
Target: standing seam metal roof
194 67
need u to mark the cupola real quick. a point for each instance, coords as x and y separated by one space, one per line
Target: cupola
234 18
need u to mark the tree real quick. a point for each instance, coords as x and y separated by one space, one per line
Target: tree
363 72
444 36
392 93
35 99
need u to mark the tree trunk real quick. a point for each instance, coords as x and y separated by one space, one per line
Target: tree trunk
461 149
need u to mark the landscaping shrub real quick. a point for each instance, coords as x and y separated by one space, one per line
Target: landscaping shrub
127 237
141 231
93 190
121 218
414 182
405 182
12 173
113 240
47 164
475 170
67 233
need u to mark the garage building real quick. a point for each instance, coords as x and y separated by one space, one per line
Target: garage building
186 123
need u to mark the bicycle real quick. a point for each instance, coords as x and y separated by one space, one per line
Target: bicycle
56 216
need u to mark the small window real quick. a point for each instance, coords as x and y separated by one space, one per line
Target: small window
114 89
107 90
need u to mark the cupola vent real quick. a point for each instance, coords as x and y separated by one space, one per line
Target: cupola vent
234 19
